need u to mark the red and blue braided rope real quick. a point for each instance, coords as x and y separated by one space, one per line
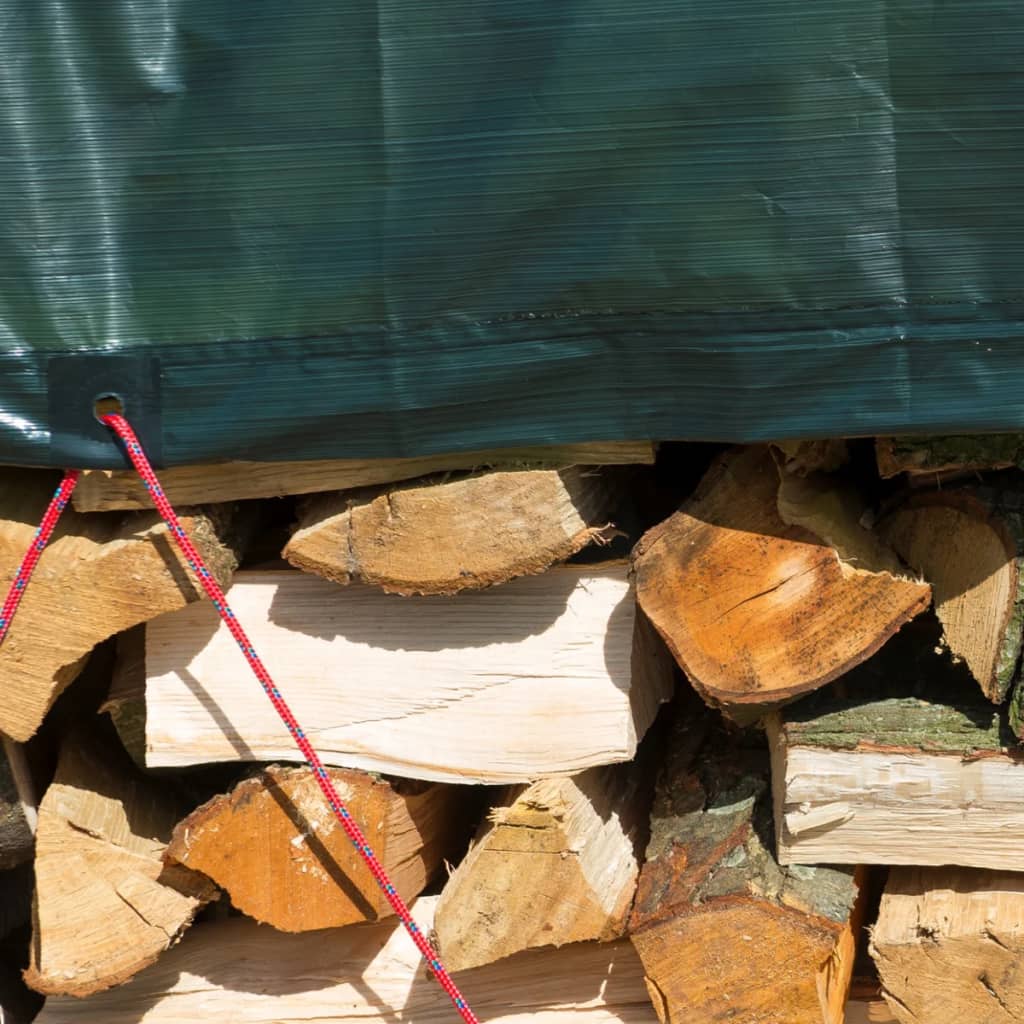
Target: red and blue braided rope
119 425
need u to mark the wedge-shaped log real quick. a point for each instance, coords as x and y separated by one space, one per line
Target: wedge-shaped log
106 490
556 862
534 678
274 846
758 611
949 946
969 544
897 781
106 905
723 931
441 537
100 575
237 971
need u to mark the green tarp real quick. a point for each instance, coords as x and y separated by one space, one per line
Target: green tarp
331 228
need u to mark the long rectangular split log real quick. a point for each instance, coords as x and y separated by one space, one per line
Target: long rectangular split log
106 490
537 677
723 931
949 946
99 576
274 846
897 781
240 972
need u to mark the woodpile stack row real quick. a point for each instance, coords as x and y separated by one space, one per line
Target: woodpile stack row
645 733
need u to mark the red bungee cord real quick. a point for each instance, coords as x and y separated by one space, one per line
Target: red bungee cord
119 425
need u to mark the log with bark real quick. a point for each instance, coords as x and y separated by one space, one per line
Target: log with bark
969 544
949 946
942 455
723 931
897 781
274 846
107 490
555 862
534 678
758 610
106 905
100 575
237 971
441 537
16 838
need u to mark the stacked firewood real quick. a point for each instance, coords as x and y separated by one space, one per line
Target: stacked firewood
672 733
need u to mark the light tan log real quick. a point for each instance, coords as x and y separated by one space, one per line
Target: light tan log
724 933
100 575
537 677
949 946
105 490
238 972
440 537
556 862
106 906
273 845
897 781
758 611
800 458
968 543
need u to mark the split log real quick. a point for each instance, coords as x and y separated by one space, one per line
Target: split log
441 537
897 781
100 575
957 453
125 702
237 971
949 946
274 845
557 862
106 906
969 544
107 490
16 839
537 677
758 611
724 932
803 457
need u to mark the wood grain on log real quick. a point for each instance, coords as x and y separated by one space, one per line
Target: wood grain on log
945 454
969 544
273 845
239 972
556 862
537 677
106 906
441 537
107 490
758 611
949 946
100 575
897 781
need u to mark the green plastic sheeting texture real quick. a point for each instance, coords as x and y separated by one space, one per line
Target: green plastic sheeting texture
386 228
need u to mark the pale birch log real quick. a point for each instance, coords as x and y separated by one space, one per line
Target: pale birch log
537 677
242 973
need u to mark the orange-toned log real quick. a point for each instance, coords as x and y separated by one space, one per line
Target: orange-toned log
274 846
757 608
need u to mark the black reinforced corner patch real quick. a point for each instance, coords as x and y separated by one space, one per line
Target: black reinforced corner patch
78 440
